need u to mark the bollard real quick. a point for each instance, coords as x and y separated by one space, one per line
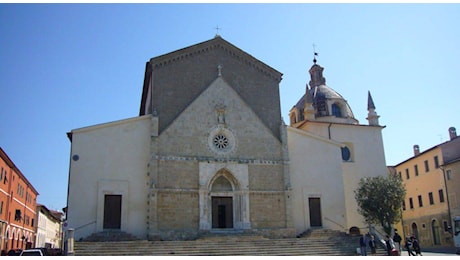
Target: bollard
70 241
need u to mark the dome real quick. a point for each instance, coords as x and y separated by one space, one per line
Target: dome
328 104
331 99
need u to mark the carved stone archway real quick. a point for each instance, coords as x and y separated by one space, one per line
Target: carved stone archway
224 197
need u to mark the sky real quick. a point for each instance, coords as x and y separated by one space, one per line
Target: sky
68 66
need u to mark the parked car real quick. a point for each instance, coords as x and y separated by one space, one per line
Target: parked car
14 252
32 252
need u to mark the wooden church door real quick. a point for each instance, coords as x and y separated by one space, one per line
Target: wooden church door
222 212
112 212
314 205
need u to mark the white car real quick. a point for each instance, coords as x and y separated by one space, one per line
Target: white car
32 252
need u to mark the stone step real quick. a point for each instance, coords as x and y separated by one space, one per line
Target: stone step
290 247
322 242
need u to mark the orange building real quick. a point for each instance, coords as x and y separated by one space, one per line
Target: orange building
431 189
18 200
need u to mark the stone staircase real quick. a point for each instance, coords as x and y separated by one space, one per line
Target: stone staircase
110 236
317 242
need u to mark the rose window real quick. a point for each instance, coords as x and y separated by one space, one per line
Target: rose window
220 141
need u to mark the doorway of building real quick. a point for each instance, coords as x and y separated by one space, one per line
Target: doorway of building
112 212
415 230
314 204
435 230
222 212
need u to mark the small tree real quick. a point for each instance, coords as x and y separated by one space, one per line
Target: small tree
380 200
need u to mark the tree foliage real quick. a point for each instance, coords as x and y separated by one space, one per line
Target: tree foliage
380 200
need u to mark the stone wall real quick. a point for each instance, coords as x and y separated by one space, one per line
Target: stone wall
266 177
180 77
267 210
425 231
177 174
178 210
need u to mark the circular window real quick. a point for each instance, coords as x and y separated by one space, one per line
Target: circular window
221 140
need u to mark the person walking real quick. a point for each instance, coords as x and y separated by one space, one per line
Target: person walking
389 244
397 239
363 245
372 245
416 246
409 246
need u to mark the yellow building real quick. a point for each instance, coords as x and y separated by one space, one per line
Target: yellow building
452 174
426 212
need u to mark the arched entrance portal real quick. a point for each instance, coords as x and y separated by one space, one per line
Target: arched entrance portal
222 202
224 196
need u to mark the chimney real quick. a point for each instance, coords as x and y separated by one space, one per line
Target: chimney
452 133
416 150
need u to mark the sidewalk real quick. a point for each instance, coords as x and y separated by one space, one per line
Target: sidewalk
444 250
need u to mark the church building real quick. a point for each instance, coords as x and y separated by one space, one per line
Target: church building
329 153
209 152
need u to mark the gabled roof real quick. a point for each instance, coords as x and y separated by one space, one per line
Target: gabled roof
173 80
216 42
187 52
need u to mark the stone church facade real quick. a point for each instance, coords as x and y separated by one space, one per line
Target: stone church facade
209 152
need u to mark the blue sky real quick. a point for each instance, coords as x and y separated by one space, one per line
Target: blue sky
67 66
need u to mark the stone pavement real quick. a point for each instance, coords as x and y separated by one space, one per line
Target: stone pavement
439 251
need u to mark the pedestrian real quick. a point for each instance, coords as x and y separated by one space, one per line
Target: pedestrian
372 245
416 246
389 244
409 246
363 245
397 239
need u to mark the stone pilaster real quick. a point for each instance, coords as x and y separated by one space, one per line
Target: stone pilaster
287 177
152 196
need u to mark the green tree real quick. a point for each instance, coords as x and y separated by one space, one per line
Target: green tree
380 200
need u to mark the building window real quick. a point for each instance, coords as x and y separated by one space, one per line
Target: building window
293 118
441 196
427 168
407 174
420 202
436 162
446 226
416 169
346 154
449 174
403 205
336 110
400 175
1 207
17 215
411 203
430 197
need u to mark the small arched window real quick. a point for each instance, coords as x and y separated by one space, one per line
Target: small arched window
336 111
